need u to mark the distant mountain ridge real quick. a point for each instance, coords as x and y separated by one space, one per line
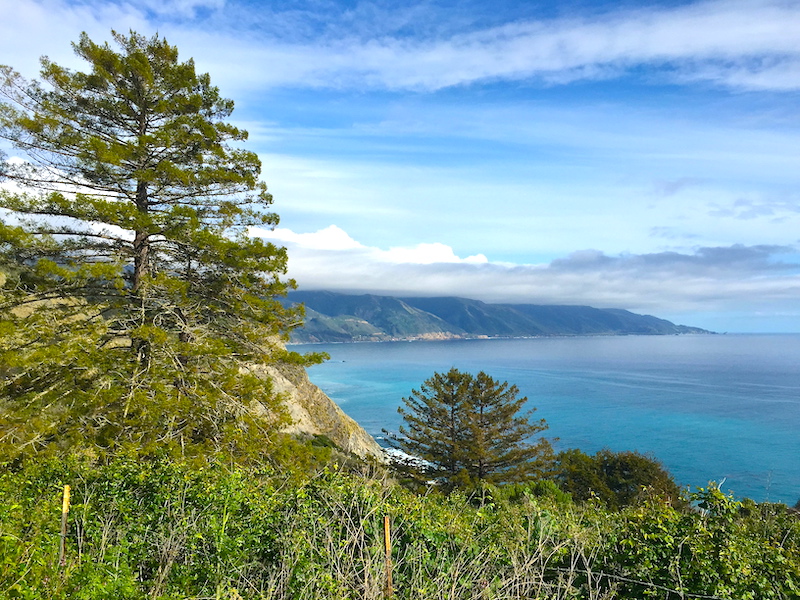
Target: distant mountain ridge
334 317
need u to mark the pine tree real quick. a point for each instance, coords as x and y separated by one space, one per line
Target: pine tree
464 429
498 449
434 430
134 306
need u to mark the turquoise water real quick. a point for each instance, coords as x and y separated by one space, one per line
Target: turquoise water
709 407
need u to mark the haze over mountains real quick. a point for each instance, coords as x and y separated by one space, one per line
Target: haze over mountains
334 317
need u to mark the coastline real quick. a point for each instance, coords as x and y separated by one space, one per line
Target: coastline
459 337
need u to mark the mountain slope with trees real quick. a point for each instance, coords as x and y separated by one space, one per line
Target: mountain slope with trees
333 317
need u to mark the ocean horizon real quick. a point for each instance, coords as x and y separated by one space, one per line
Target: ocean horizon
722 408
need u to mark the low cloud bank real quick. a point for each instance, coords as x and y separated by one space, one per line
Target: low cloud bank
334 239
756 279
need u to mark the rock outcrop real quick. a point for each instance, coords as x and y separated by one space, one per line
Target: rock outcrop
314 413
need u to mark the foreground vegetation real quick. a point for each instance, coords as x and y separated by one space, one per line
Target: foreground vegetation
162 528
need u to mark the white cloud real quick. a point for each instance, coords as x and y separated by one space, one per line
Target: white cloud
705 281
330 238
428 254
333 238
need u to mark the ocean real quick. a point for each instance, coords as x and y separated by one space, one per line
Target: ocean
723 408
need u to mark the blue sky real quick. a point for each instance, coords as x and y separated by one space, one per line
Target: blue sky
628 154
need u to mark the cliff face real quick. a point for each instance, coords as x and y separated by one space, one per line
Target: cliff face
314 413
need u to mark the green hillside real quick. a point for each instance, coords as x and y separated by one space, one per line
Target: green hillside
333 317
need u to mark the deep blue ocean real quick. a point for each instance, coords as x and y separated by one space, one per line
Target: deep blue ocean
709 407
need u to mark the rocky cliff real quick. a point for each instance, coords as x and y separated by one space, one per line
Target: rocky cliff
314 413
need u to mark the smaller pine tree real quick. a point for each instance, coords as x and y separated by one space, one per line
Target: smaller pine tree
434 428
464 430
497 448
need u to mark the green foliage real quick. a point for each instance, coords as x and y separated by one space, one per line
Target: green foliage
160 529
465 430
134 305
727 550
617 479
542 488
135 528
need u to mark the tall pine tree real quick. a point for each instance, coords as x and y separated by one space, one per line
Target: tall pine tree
134 306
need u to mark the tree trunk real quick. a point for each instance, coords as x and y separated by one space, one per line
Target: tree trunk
141 241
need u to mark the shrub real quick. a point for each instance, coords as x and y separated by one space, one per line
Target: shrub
618 479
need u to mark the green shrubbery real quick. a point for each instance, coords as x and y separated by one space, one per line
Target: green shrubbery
163 529
617 479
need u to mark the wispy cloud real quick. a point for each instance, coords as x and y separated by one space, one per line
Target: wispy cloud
732 43
180 9
747 209
746 45
672 187
741 44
